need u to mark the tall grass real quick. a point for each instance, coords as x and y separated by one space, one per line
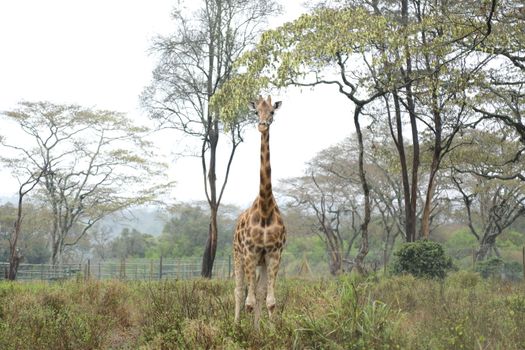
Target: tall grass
462 312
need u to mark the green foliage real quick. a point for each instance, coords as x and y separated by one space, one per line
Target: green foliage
513 270
497 268
185 234
422 259
355 321
460 245
492 267
464 279
131 243
512 239
33 241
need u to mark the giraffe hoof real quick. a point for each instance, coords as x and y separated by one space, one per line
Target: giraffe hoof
249 308
271 309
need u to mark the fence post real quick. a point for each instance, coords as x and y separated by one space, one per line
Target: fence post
229 266
123 268
88 272
473 259
523 255
160 268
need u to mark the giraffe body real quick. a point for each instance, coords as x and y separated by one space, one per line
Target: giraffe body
260 233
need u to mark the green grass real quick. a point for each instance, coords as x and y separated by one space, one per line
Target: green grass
463 312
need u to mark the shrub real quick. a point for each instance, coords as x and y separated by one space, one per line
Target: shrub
464 279
496 267
492 267
422 259
513 270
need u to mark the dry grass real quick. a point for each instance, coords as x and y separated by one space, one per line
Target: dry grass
462 312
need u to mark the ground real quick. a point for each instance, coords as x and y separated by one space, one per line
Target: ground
377 312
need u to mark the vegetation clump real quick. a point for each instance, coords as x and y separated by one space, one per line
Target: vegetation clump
496 267
347 312
422 259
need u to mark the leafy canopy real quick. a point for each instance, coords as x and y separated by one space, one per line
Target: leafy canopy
348 39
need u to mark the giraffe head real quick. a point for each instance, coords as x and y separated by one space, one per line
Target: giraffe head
265 111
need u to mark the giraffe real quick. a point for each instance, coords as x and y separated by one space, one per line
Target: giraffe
260 233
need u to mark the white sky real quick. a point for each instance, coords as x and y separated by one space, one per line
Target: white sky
94 53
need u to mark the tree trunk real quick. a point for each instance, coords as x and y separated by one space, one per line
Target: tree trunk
336 263
334 248
410 217
14 253
410 106
211 246
425 220
488 243
363 249
436 158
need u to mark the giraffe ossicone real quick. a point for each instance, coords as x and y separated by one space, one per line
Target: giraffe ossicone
260 233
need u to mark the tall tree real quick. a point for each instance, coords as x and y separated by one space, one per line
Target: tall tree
194 62
491 204
407 70
27 180
92 163
430 70
326 192
305 52
500 101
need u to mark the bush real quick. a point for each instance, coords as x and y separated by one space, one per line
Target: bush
496 267
422 259
492 267
513 270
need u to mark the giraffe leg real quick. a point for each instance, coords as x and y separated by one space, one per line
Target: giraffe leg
239 285
250 262
272 261
260 294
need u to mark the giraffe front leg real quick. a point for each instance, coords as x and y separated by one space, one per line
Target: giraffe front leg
272 262
239 286
249 271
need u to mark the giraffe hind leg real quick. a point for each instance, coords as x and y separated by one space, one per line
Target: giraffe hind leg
272 262
260 294
239 285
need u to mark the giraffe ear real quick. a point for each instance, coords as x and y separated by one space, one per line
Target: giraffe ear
252 106
277 105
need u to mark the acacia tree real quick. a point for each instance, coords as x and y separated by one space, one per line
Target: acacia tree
91 163
491 204
431 68
299 54
194 62
25 186
348 46
500 101
327 192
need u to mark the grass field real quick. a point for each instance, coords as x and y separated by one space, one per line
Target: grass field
462 312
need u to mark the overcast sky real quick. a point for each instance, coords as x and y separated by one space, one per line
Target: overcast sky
94 53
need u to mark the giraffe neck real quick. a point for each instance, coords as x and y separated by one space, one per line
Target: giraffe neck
265 199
